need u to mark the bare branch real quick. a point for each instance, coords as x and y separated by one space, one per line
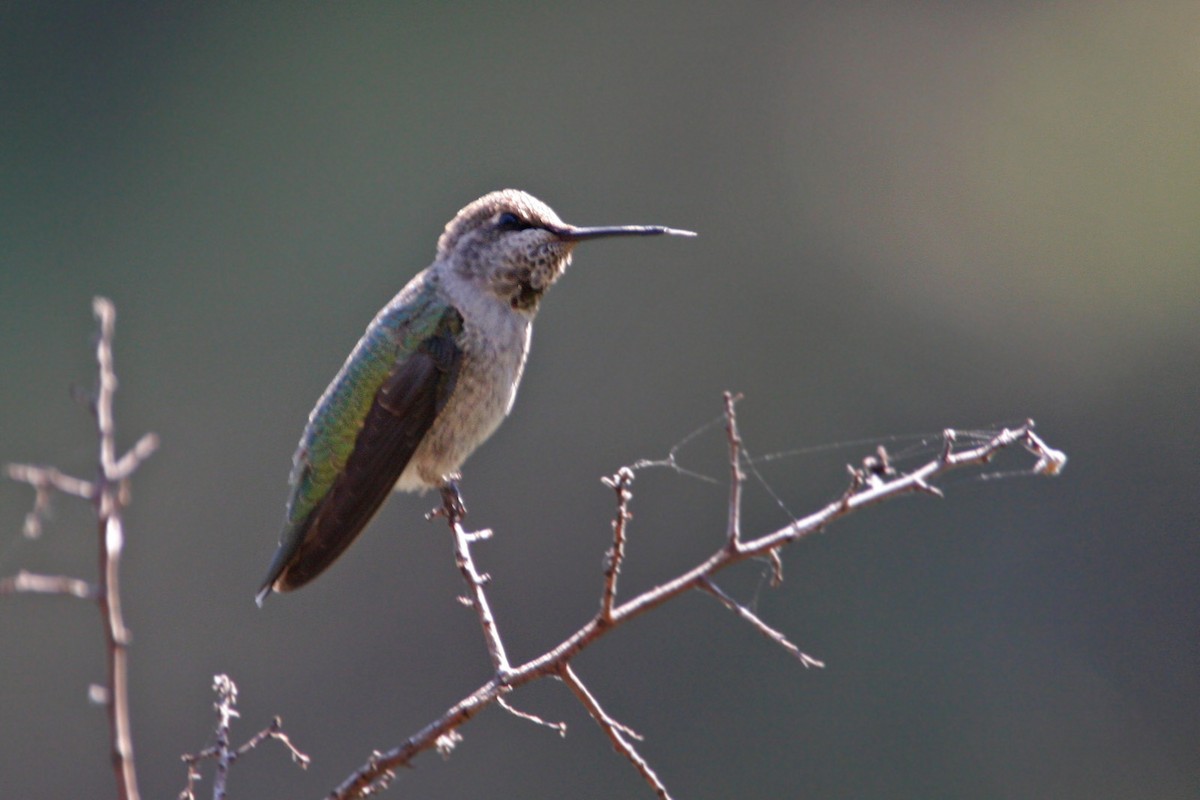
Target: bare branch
766 630
379 770
876 482
615 731
129 462
108 493
112 542
612 565
25 582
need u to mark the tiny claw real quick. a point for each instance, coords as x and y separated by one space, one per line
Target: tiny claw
452 502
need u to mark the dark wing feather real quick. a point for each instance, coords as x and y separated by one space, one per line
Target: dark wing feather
403 411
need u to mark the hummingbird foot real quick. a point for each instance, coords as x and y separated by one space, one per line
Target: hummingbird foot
452 507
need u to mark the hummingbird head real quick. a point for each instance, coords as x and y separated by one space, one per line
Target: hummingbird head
516 247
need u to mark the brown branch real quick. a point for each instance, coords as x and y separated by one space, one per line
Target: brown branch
379 769
615 731
875 483
108 494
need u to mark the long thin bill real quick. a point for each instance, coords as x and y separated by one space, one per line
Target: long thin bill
571 233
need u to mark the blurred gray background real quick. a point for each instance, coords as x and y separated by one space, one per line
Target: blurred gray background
912 215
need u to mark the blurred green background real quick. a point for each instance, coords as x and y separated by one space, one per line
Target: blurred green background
912 215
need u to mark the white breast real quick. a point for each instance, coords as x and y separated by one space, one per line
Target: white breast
495 343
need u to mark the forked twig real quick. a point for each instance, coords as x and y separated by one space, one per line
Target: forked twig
223 752
615 731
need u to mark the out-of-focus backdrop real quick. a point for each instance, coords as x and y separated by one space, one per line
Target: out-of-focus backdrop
911 215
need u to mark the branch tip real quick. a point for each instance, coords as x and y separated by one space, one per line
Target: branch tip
949 437
25 582
560 727
620 483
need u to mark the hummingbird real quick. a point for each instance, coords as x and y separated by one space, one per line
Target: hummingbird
432 378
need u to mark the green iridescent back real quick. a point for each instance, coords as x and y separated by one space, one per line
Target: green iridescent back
395 333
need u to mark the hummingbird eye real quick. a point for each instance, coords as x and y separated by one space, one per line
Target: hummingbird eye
508 221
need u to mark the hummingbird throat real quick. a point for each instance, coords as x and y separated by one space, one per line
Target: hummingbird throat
539 274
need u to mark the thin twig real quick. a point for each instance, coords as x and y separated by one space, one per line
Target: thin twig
561 727
129 462
615 731
45 481
766 630
379 767
34 583
47 478
275 731
776 562
612 564
452 509
733 531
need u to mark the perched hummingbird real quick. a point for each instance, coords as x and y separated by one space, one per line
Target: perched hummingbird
430 380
